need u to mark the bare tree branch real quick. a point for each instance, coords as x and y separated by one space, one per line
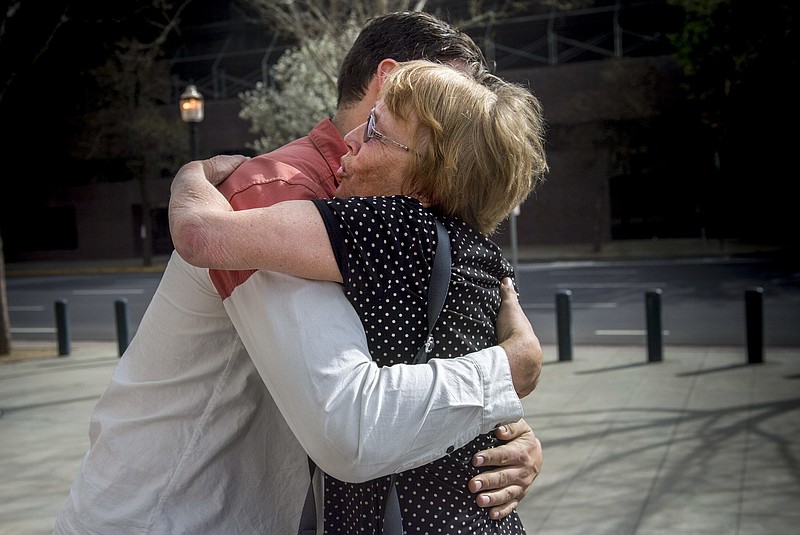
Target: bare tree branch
14 15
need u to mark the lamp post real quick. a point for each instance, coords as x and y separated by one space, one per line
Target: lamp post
192 113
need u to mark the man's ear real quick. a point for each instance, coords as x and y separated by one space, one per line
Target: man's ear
384 68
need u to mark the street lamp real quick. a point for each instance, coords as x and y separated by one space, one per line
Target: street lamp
192 113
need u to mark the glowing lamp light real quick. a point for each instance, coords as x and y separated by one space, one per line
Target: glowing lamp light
191 105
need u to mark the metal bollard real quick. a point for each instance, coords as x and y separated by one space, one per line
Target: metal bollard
564 324
655 350
62 328
754 320
121 312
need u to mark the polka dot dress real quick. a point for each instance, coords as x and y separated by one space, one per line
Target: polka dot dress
384 247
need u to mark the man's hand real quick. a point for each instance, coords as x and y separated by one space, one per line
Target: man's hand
515 335
518 463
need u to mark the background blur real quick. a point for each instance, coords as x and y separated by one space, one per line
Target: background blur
666 119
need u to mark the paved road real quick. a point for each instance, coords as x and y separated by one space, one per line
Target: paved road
702 300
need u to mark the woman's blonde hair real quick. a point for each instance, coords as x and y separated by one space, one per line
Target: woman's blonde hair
479 143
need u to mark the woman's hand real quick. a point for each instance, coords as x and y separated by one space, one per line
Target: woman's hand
218 168
195 206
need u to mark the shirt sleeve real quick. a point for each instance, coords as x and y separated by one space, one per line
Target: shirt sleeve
355 420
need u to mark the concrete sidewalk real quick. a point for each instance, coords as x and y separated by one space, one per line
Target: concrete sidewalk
700 443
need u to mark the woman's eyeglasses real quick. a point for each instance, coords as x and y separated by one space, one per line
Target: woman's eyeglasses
370 132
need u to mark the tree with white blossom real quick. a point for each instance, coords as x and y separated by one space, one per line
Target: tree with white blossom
301 85
299 92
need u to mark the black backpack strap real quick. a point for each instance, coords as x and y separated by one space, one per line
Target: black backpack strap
308 518
392 517
437 292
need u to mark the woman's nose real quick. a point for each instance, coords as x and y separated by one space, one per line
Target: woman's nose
353 139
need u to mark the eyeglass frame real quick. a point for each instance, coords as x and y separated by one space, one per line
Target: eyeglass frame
370 132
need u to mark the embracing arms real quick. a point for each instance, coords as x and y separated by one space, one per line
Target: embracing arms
206 230
359 421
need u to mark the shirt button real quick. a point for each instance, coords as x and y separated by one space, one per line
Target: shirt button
450 449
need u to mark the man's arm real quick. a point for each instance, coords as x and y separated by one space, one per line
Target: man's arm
358 421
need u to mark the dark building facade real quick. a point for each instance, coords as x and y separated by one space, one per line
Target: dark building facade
610 98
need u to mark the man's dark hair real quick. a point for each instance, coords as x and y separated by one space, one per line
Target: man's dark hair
402 36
